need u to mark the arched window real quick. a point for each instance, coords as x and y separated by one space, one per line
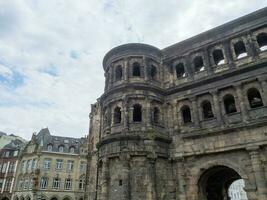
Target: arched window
186 114
156 115
254 98
218 57
118 73
198 64
61 148
136 69
49 147
117 115
180 70
137 113
229 104
240 50
81 182
153 72
72 149
262 41
207 110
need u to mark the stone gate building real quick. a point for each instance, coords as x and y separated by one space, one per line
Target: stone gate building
184 122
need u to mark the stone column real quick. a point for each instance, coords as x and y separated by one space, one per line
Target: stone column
145 65
104 181
172 76
228 54
180 180
217 107
258 172
263 82
125 111
126 69
251 47
195 112
207 61
243 108
148 113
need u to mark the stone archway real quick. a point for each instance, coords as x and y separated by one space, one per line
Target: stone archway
5 198
215 182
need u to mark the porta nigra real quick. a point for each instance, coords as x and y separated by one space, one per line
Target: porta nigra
183 122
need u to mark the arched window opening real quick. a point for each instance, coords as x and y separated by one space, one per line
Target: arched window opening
137 113
186 114
199 64
218 57
229 104
180 70
49 147
72 149
254 98
117 115
136 69
207 110
153 72
262 41
118 73
61 148
240 50
156 115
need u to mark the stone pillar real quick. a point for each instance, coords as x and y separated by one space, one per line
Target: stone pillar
151 190
125 173
104 181
145 65
148 113
207 61
172 76
110 77
243 108
194 112
180 180
251 47
228 54
258 172
217 107
126 69
125 113
263 82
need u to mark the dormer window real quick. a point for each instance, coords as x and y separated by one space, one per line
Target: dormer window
72 149
49 147
199 64
240 50
61 149
262 41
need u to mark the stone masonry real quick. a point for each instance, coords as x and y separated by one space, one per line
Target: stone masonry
184 122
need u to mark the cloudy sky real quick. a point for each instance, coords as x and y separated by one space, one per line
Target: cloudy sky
51 51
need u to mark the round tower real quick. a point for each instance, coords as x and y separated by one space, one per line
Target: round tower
133 142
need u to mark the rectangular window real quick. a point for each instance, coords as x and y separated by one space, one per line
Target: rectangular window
68 184
30 184
23 166
20 185
59 164
83 166
7 185
81 184
34 164
47 163
26 184
70 165
43 183
4 168
1 183
56 183
29 165
7 153
11 168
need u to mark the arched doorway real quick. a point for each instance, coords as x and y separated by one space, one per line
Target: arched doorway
5 198
214 183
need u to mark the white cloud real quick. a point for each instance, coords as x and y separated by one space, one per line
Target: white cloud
54 51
